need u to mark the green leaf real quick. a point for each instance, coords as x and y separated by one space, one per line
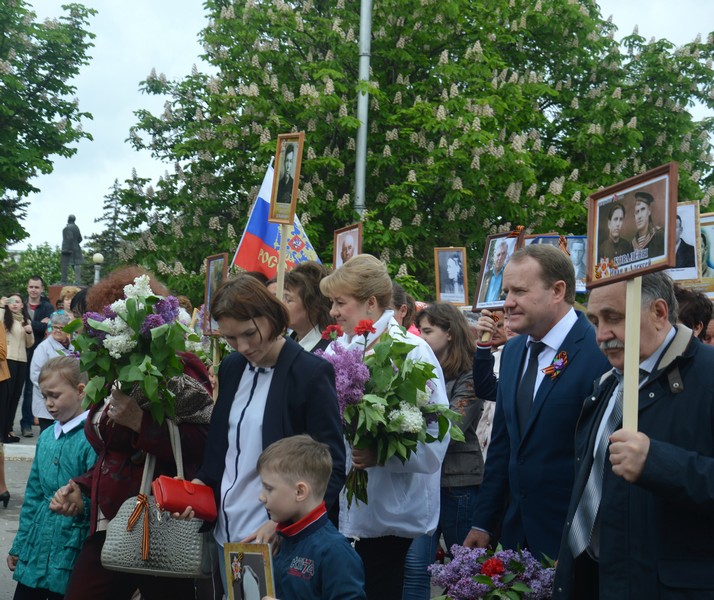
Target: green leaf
151 386
94 391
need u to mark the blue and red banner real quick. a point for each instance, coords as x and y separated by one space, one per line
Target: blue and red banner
259 247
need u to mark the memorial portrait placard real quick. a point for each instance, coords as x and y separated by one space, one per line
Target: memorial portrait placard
631 227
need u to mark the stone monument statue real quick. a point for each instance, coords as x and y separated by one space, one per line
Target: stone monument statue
71 252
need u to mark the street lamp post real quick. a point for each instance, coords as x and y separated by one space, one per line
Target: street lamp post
97 259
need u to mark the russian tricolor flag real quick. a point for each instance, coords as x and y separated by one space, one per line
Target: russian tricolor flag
259 246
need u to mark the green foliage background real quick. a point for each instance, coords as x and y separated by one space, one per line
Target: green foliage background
39 115
484 114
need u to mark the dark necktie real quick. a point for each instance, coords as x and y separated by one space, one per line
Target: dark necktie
526 389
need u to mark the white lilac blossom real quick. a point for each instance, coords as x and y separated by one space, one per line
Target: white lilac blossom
409 416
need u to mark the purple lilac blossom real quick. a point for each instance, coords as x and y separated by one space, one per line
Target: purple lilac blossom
168 308
351 375
109 313
151 322
457 576
101 335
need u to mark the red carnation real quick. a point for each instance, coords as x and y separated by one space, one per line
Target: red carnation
365 327
332 332
493 567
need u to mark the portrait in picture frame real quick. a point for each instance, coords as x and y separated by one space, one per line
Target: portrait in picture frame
497 253
216 274
249 571
631 227
451 277
347 243
706 254
577 249
288 158
687 244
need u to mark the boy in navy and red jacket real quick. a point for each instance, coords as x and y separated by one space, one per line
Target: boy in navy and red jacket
314 560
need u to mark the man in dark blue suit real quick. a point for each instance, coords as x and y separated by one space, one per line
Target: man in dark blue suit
641 518
545 374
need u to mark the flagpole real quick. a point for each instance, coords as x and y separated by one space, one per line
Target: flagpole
365 43
284 233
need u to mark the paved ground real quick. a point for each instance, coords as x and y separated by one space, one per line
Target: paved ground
18 460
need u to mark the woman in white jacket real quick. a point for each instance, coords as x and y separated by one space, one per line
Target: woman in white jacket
403 498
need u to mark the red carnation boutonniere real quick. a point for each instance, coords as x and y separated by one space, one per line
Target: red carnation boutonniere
332 332
556 367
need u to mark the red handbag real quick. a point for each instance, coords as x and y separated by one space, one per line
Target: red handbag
174 495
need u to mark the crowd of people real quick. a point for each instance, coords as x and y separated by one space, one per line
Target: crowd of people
545 463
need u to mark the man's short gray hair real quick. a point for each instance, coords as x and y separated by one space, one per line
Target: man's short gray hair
659 285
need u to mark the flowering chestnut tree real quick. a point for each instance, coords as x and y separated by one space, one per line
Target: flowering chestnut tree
483 115
39 116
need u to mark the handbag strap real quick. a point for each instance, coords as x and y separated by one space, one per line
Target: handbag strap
142 500
176 446
150 462
148 475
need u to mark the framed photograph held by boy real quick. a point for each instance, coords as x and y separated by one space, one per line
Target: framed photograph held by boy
497 253
249 571
687 244
288 158
347 243
451 279
631 227
216 274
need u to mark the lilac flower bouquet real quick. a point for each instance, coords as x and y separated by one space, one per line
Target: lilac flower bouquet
481 573
385 402
134 342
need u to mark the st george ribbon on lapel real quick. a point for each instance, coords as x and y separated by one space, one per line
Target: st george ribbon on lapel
526 388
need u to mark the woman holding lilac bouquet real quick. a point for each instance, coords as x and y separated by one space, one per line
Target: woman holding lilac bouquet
121 429
403 496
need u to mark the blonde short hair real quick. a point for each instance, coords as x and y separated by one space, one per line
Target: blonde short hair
361 277
299 458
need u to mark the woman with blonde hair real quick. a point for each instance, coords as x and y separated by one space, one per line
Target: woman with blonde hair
403 497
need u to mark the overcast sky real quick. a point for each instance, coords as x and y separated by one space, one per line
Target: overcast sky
134 36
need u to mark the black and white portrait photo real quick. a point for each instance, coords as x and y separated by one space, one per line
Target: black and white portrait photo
450 264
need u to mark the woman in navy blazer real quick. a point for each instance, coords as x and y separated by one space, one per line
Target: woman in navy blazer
269 389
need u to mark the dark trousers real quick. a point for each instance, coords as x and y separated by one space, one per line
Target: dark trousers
28 419
383 559
91 581
586 585
22 592
18 372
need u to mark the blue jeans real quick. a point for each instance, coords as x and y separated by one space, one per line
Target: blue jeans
457 509
457 506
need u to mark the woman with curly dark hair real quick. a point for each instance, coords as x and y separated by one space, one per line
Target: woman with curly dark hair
309 310
122 432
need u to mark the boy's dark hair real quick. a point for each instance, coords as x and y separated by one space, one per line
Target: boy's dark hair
694 308
299 458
